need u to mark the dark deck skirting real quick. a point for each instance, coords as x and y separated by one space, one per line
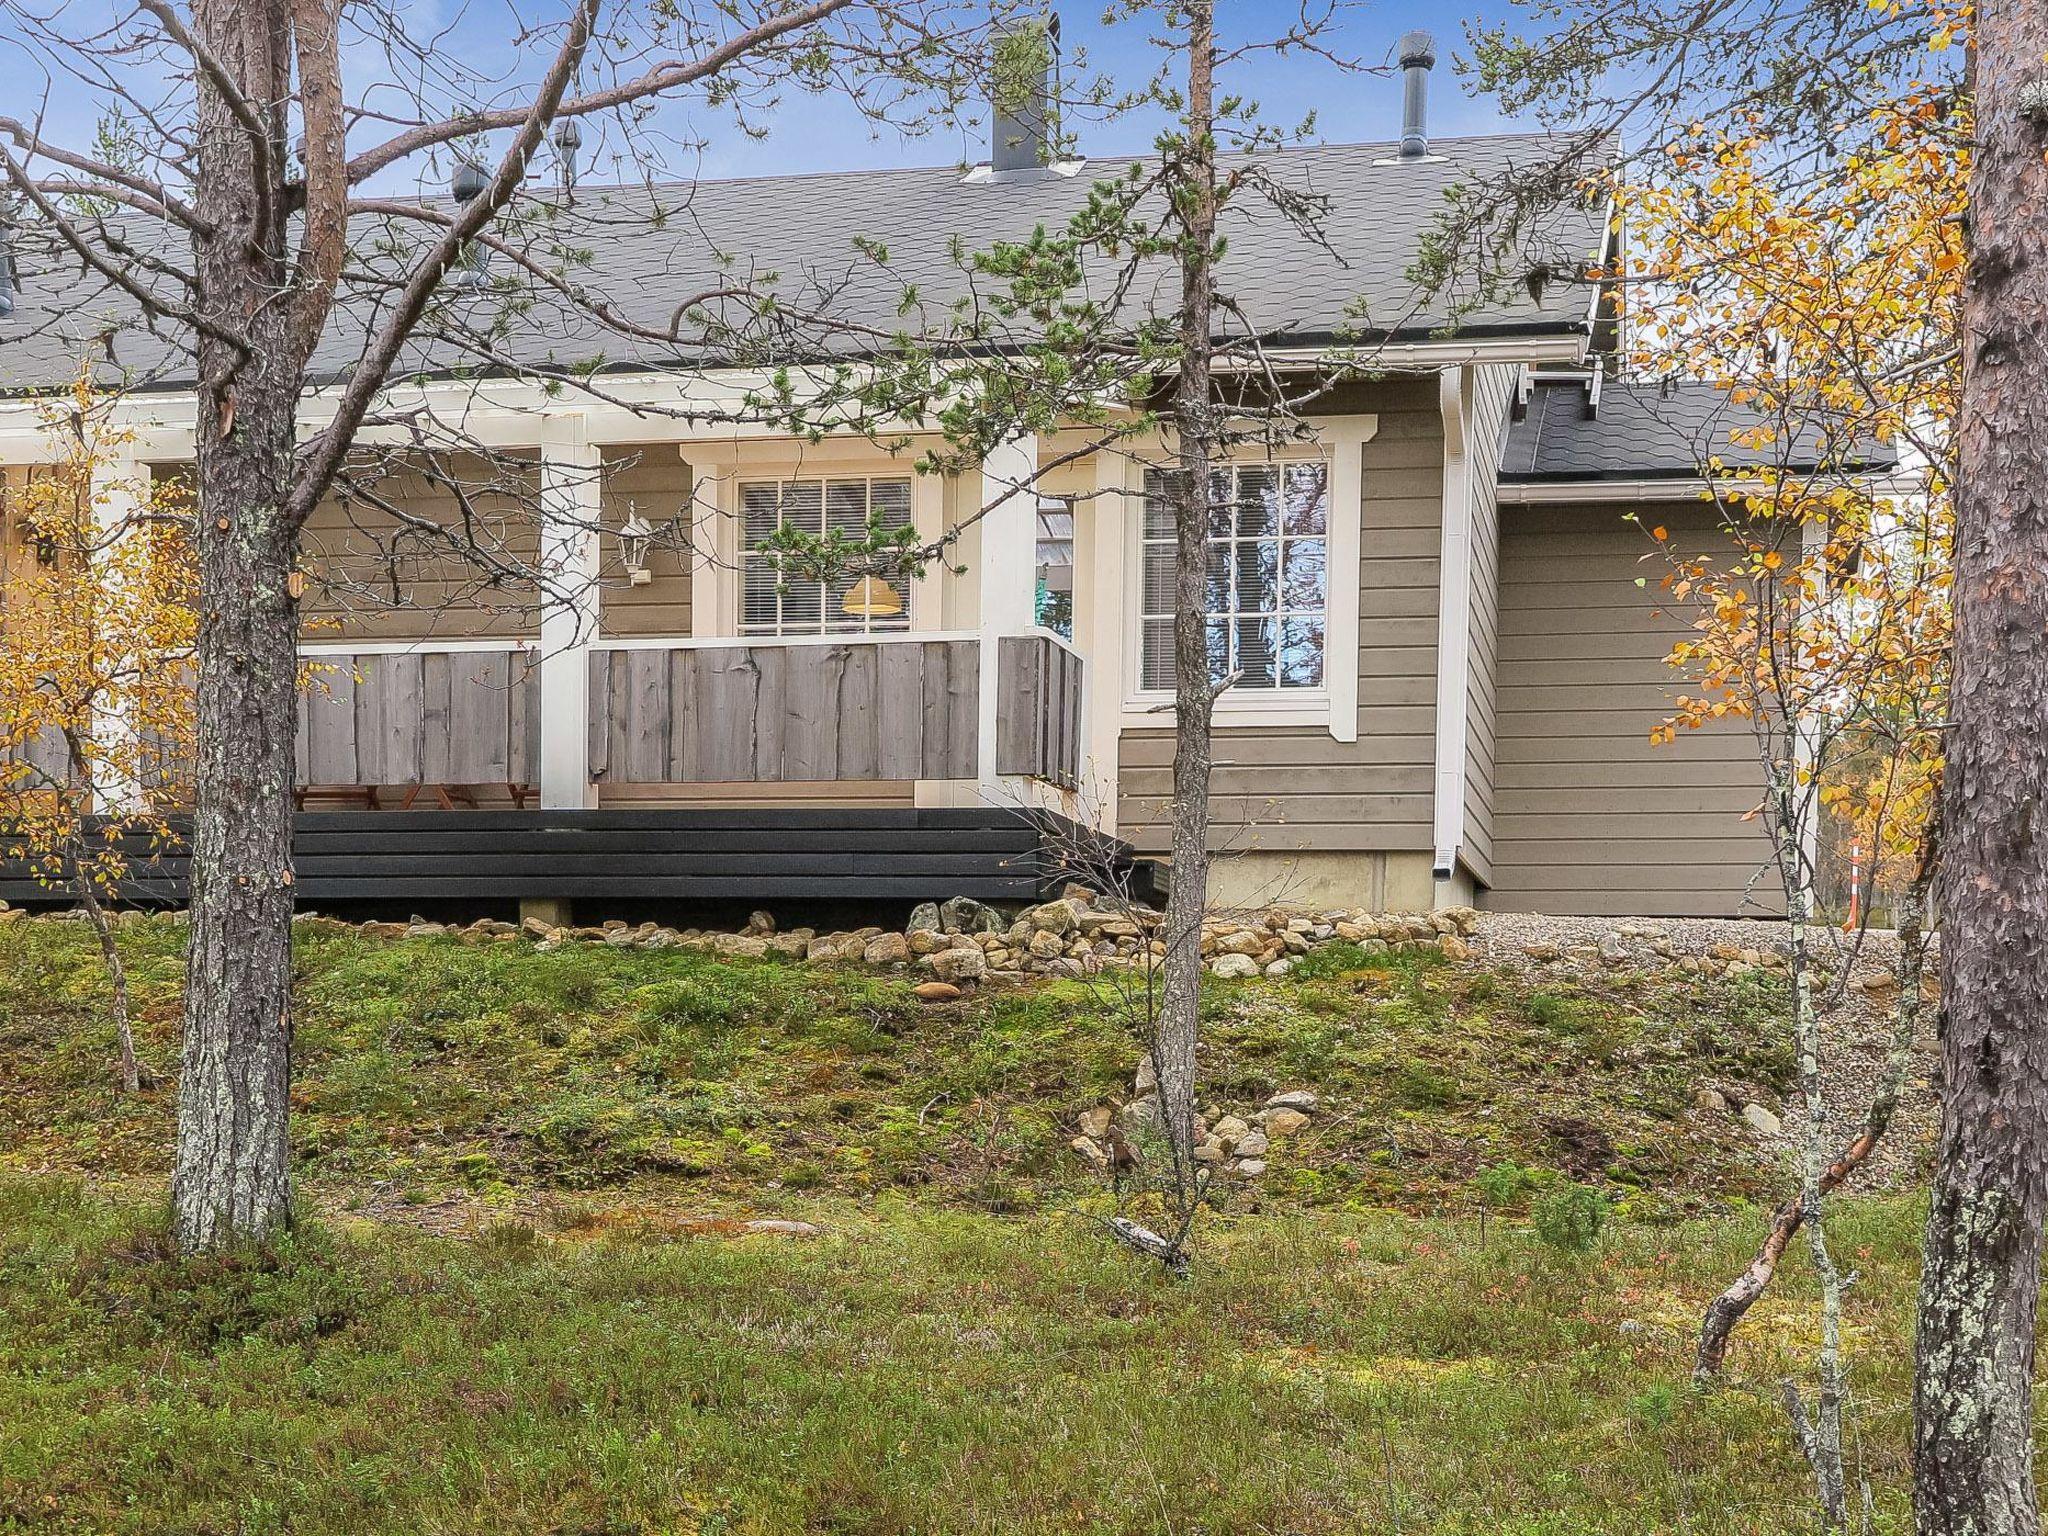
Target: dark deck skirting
820 854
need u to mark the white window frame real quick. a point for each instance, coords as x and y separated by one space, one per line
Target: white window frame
1334 706
824 479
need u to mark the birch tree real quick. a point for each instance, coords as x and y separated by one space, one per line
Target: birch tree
95 640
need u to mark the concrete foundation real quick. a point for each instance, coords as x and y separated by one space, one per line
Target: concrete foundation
555 911
1376 882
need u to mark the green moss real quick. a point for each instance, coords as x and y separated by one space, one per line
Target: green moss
916 1370
449 1068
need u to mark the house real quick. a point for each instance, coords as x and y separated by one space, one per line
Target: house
1449 698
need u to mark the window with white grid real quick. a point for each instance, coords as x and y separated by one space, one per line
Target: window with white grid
1267 587
778 602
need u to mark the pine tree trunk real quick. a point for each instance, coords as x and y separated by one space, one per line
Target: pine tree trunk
231 1182
1973 1443
1193 421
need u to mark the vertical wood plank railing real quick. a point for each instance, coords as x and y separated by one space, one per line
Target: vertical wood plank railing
453 712
1038 732
784 711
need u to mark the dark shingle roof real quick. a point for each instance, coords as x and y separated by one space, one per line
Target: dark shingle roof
1651 431
803 230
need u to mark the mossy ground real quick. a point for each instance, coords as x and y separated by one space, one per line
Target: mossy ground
433 1068
1363 1348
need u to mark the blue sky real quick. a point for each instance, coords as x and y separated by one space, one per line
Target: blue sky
823 134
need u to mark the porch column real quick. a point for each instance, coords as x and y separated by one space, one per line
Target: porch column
1102 598
1008 583
571 504
120 495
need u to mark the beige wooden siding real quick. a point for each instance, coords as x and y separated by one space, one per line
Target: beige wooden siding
1493 394
655 482
1591 818
1283 789
374 577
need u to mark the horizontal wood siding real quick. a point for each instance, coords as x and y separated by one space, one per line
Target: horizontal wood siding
785 713
438 717
496 857
376 577
1591 817
1038 727
655 482
1295 787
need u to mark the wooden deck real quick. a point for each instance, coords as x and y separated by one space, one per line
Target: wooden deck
823 855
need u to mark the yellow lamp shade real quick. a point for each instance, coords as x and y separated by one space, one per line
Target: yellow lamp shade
872 598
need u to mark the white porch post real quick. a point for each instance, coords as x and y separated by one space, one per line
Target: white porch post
120 495
1008 582
570 506
1102 599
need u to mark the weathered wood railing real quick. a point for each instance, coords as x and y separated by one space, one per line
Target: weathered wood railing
784 711
1038 730
831 709
438 712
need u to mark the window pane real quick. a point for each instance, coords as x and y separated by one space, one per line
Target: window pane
889 501
801 604
1308 498
846 507
1158 668
1255 648
1301 653
1219 650
1158 581
1158 505
760 503
1258 577
803 506
758 606
1258 497
1303 584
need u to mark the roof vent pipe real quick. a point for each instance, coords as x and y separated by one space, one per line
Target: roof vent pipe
1024 69
472 263
6 257
1418 58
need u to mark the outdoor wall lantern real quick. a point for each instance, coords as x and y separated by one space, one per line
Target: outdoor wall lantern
636 534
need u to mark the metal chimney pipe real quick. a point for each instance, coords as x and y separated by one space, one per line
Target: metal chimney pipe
1418 58
1025 68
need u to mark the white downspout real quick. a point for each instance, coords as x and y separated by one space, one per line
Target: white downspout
1453 632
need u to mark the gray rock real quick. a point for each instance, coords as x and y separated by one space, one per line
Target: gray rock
1234 967
1057 917
1762 1119
963 914
1301 1100
958 965
888 949
924 918
1141 1117
1252 1167
1253 1144
1092 1154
